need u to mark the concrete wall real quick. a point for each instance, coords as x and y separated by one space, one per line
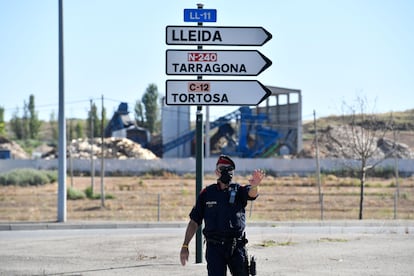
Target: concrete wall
187 165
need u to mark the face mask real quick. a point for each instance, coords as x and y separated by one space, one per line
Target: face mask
226 174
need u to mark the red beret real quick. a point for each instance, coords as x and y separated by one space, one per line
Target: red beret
225 160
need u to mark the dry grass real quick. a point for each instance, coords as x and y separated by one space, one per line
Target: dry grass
170 198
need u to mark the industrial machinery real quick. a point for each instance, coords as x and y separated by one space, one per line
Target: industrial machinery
239 133
122 126
251 140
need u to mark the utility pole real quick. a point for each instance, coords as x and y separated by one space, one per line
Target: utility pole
91 137
318 169
102 154
62 127
397 176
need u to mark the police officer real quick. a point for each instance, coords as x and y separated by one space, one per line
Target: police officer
222 207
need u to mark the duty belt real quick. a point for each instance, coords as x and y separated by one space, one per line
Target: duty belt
230 244
222 241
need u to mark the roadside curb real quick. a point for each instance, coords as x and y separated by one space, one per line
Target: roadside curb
30 226
87 225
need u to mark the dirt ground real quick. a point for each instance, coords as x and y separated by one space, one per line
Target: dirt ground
348 248
170 197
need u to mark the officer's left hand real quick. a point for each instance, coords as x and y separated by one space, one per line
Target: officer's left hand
257 177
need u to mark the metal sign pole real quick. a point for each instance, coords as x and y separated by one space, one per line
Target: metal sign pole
199 161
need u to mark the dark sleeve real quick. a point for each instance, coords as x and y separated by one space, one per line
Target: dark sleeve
243 195
197 213
248 187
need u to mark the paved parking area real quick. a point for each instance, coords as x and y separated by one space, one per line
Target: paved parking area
299 248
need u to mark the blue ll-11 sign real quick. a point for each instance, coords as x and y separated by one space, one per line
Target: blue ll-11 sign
200 15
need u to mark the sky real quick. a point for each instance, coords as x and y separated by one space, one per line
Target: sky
334 51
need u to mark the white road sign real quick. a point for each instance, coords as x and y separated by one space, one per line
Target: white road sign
215 92
203 35
216 62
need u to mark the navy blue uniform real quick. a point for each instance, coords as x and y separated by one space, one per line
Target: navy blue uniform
224 228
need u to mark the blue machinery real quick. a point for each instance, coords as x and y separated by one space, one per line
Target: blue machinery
121 125
252 140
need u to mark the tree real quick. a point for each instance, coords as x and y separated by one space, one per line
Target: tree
27 126
34 123
139 114
79 130
25 121
16 125
104 121
363 131
2 123
53 126
94 122
150 101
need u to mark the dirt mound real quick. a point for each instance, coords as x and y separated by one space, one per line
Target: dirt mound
113 148
337 142
16 152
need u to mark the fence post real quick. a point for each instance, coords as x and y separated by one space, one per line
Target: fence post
159 206
321 199
395 204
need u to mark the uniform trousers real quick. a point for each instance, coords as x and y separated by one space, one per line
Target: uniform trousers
221 255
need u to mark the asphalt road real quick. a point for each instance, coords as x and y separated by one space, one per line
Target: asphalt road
296 248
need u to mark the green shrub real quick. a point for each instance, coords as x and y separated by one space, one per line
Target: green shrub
25 177
89 194
74 194
52 175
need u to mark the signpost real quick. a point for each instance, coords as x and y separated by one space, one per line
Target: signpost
200 15
230 36
200 62
216 62
215 92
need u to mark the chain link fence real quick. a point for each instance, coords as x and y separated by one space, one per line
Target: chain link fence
40 205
